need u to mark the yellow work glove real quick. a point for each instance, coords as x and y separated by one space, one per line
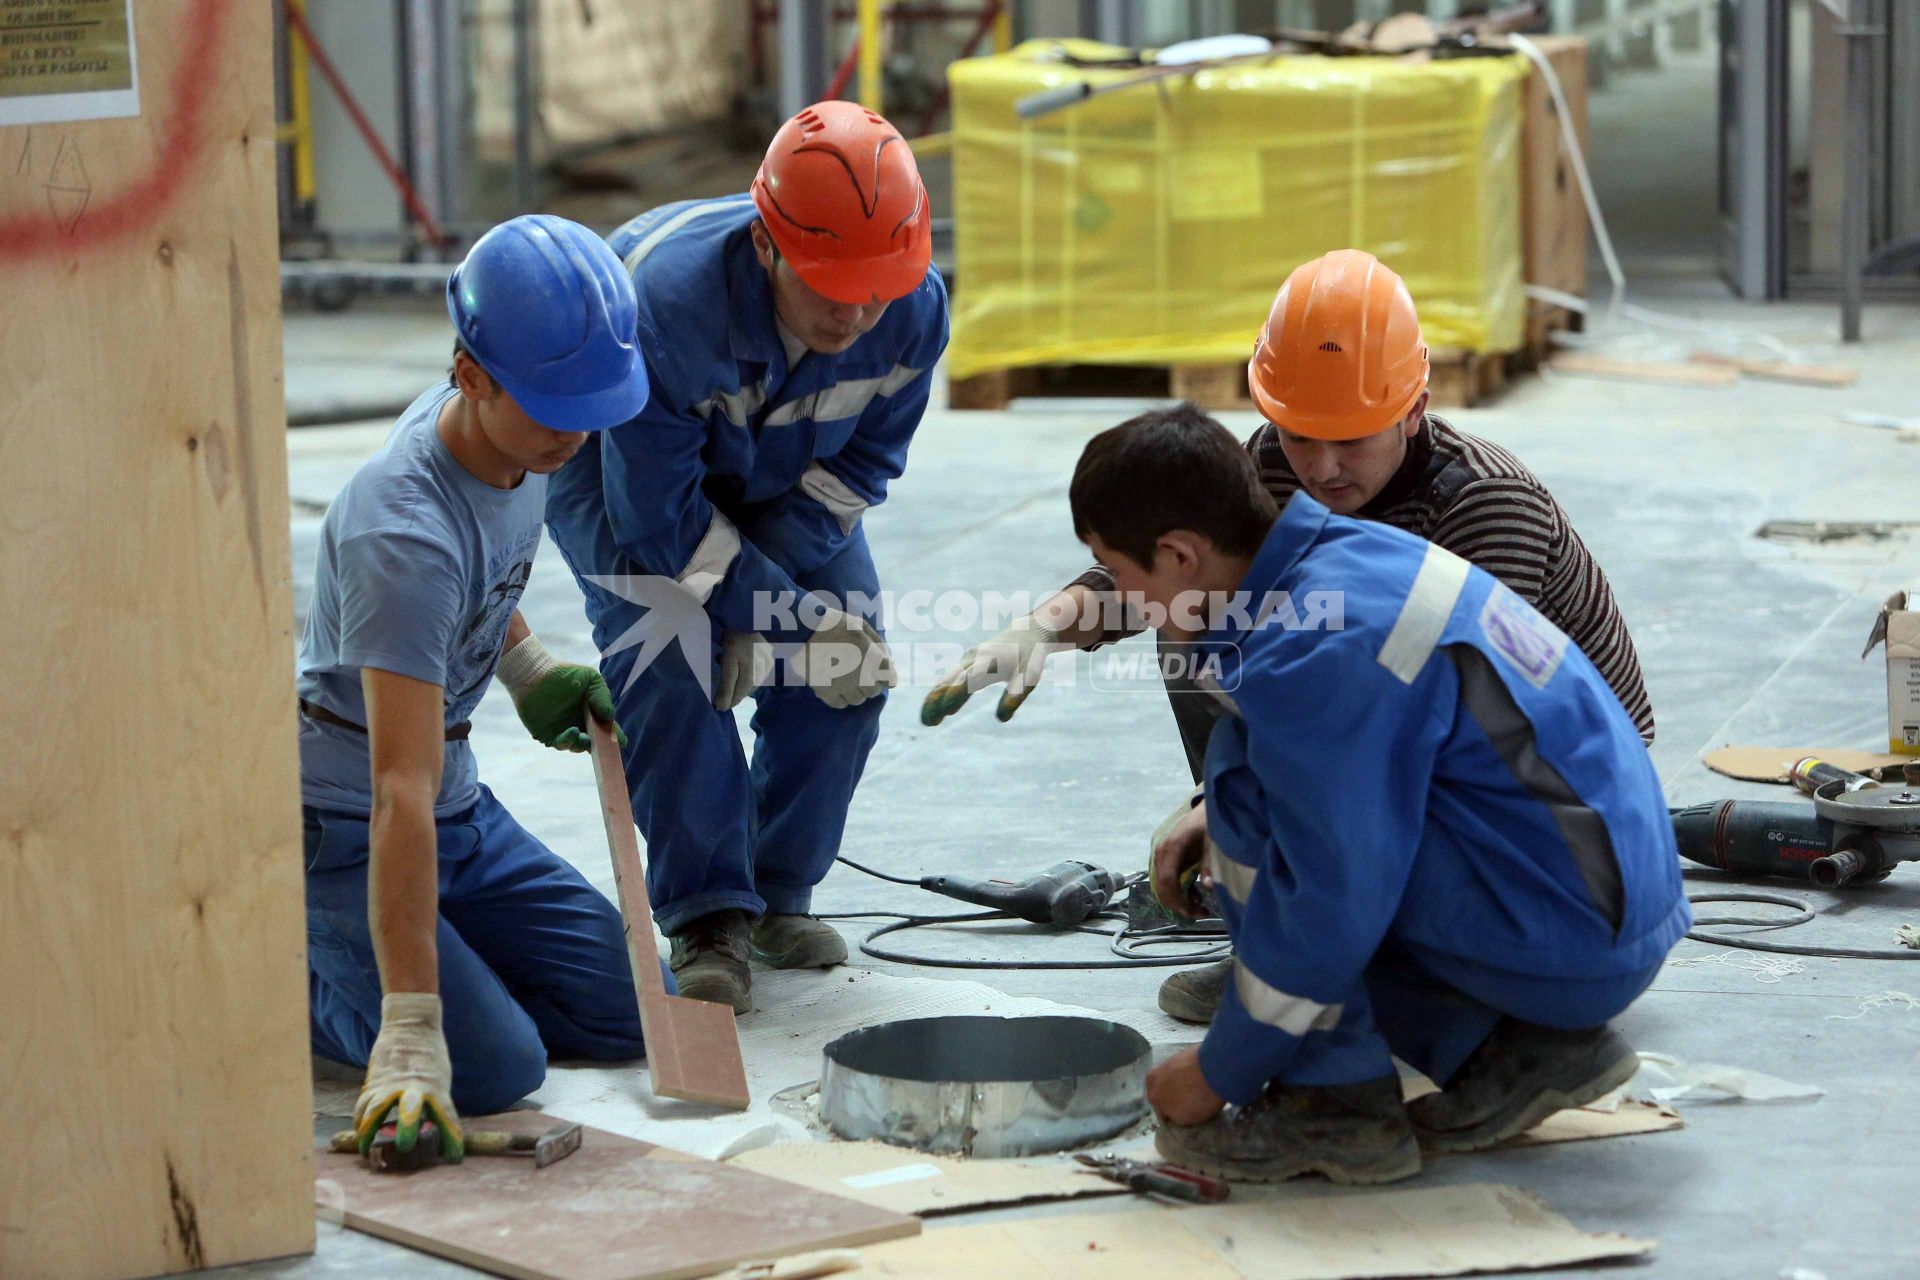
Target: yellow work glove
409 1076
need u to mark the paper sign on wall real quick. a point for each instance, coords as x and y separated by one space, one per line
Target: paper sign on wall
67 60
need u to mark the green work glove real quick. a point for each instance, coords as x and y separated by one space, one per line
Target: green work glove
550 696
409 1077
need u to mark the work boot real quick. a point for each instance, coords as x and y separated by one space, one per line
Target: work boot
1194 995
710 960
1519 1076
796 942
1348 1133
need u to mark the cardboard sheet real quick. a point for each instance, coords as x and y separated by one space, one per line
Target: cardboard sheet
1611 1117
616 1209
1091 1246
1438 1231
919 1183
1769 764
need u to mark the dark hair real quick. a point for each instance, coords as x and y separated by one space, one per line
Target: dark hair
453 370
1169 469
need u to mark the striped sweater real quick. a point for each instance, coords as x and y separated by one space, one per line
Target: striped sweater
1477 500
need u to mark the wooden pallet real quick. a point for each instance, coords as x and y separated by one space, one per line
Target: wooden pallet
1460 379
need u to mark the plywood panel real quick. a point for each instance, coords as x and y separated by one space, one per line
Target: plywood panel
154 1084
616 1209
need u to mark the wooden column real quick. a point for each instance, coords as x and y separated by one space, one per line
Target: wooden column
155 1095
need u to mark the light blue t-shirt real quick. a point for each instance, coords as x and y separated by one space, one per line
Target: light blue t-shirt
421 566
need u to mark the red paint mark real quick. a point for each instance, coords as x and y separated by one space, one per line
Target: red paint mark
142 201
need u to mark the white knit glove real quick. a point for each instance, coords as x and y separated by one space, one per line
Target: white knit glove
845 661
746 663
1015 658
410 1075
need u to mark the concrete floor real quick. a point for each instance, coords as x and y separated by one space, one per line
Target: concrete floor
1743 641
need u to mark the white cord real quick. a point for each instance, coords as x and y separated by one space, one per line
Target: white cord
1615 275
1618 308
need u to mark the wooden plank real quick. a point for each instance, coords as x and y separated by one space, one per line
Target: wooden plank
990 390
157 1097
1553 216
693 1047
616 1209
1214 387
1679 375
1809 375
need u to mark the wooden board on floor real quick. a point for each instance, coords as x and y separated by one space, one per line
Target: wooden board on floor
156 1097
1653 371
616 1209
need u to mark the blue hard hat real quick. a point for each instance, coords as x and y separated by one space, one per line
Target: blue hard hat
547 309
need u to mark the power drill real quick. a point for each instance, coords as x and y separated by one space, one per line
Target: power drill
1856 832
1063 895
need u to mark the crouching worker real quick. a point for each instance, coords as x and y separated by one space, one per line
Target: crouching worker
1433 830
450 951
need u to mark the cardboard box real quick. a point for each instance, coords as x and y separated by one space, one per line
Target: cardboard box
1899 626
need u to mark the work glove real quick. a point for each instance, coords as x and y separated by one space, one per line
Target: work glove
1015 658
409 1076
845 661
746 663
1182 853
549 695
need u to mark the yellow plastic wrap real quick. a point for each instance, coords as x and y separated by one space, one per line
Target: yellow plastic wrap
1154 225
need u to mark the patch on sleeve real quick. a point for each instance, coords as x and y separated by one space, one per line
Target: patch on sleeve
1520 634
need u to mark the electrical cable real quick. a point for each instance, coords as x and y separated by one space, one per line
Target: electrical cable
1618 308
1125 942
877 875
1781 948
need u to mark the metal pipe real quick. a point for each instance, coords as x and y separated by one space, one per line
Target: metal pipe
1859 33
300 102
872 92
525 197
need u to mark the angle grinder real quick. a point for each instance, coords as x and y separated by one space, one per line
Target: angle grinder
1857 831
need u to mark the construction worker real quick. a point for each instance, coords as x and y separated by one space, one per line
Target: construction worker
1363 449
1432 829
791 335
450 950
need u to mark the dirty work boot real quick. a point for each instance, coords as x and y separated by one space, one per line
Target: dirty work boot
796 942
1348 1133
710 960
1522 1074
1194 995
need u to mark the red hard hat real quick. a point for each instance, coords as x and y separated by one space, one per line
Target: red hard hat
842 198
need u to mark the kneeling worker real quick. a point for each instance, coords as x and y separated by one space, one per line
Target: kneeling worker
1434 832
1340 373
449 950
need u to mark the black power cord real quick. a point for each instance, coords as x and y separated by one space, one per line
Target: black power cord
1781 948
1125 941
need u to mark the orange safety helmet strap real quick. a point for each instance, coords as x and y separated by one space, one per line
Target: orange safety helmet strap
842 199
1341 356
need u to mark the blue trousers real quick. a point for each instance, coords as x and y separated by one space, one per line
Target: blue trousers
722 831
533 959
1432 1010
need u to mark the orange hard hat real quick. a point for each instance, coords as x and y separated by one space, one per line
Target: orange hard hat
842 198
1341 354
